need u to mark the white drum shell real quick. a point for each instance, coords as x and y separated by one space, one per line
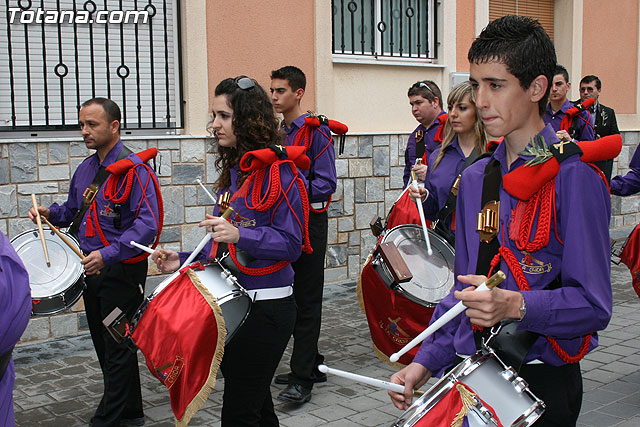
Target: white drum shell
494 383
55 288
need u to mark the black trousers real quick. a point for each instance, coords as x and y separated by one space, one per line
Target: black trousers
307 290
250 360
120 285
560 387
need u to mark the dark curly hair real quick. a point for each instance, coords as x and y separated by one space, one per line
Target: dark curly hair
254 124
522 45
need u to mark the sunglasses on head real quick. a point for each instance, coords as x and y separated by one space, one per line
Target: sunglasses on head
424 85
245 83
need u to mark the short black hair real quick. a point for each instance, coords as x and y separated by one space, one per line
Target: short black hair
591 78
522 45
561 70
295 76
426 89
109 107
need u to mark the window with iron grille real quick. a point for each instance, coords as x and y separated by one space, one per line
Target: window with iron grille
54 55
385 28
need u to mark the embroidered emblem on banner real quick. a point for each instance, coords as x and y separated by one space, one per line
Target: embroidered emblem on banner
531 265
394 331
241 221
109 212
169 378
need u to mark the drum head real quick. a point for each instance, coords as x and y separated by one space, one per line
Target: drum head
432 275
46 281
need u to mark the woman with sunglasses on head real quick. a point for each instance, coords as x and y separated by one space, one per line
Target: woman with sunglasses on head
268 223
464 140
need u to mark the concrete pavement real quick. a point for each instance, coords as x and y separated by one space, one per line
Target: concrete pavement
58 382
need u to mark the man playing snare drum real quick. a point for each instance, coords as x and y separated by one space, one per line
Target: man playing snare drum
557 265
104 224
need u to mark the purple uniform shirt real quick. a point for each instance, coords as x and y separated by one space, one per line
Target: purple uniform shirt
429 146
323 160
268 236
440 179
141 228
630 183
15 309
584 302
584 131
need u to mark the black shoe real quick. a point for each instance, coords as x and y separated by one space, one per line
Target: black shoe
295 393
316 377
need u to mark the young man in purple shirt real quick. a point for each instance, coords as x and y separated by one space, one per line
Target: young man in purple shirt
559 104
15 310
110 282
569 298
287 89
425 99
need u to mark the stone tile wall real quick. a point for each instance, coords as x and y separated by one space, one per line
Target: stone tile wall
369 181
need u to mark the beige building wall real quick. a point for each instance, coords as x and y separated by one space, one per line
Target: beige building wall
465 32
610 51
253 38
372 97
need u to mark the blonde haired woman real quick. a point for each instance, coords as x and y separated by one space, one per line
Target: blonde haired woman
465 139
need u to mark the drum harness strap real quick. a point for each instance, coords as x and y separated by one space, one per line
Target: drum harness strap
91 192
450 204
275 191
4 362
305 138
119 194
513 341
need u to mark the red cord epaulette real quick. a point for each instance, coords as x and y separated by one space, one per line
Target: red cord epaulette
565 124
258 162
121 166
261 159
525 181
442 119
119 194
334 125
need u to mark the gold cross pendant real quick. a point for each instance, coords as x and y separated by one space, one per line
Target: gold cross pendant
560 145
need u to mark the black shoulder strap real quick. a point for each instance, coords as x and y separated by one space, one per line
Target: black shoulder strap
450 204
490 191
98 180
420 146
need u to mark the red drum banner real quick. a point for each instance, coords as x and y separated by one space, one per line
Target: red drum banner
181 335
393 319
630 256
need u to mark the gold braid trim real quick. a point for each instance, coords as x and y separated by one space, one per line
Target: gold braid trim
200 399
468 402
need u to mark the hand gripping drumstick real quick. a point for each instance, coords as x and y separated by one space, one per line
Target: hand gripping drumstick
366 380
491 283
421 211
227 213
39 222
213 199
64 239
146 249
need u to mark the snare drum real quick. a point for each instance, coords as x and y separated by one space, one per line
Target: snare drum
503 392
56 288
233 300
433 275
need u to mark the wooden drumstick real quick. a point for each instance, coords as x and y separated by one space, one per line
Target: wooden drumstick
366 380
39 222
491 283
64 239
